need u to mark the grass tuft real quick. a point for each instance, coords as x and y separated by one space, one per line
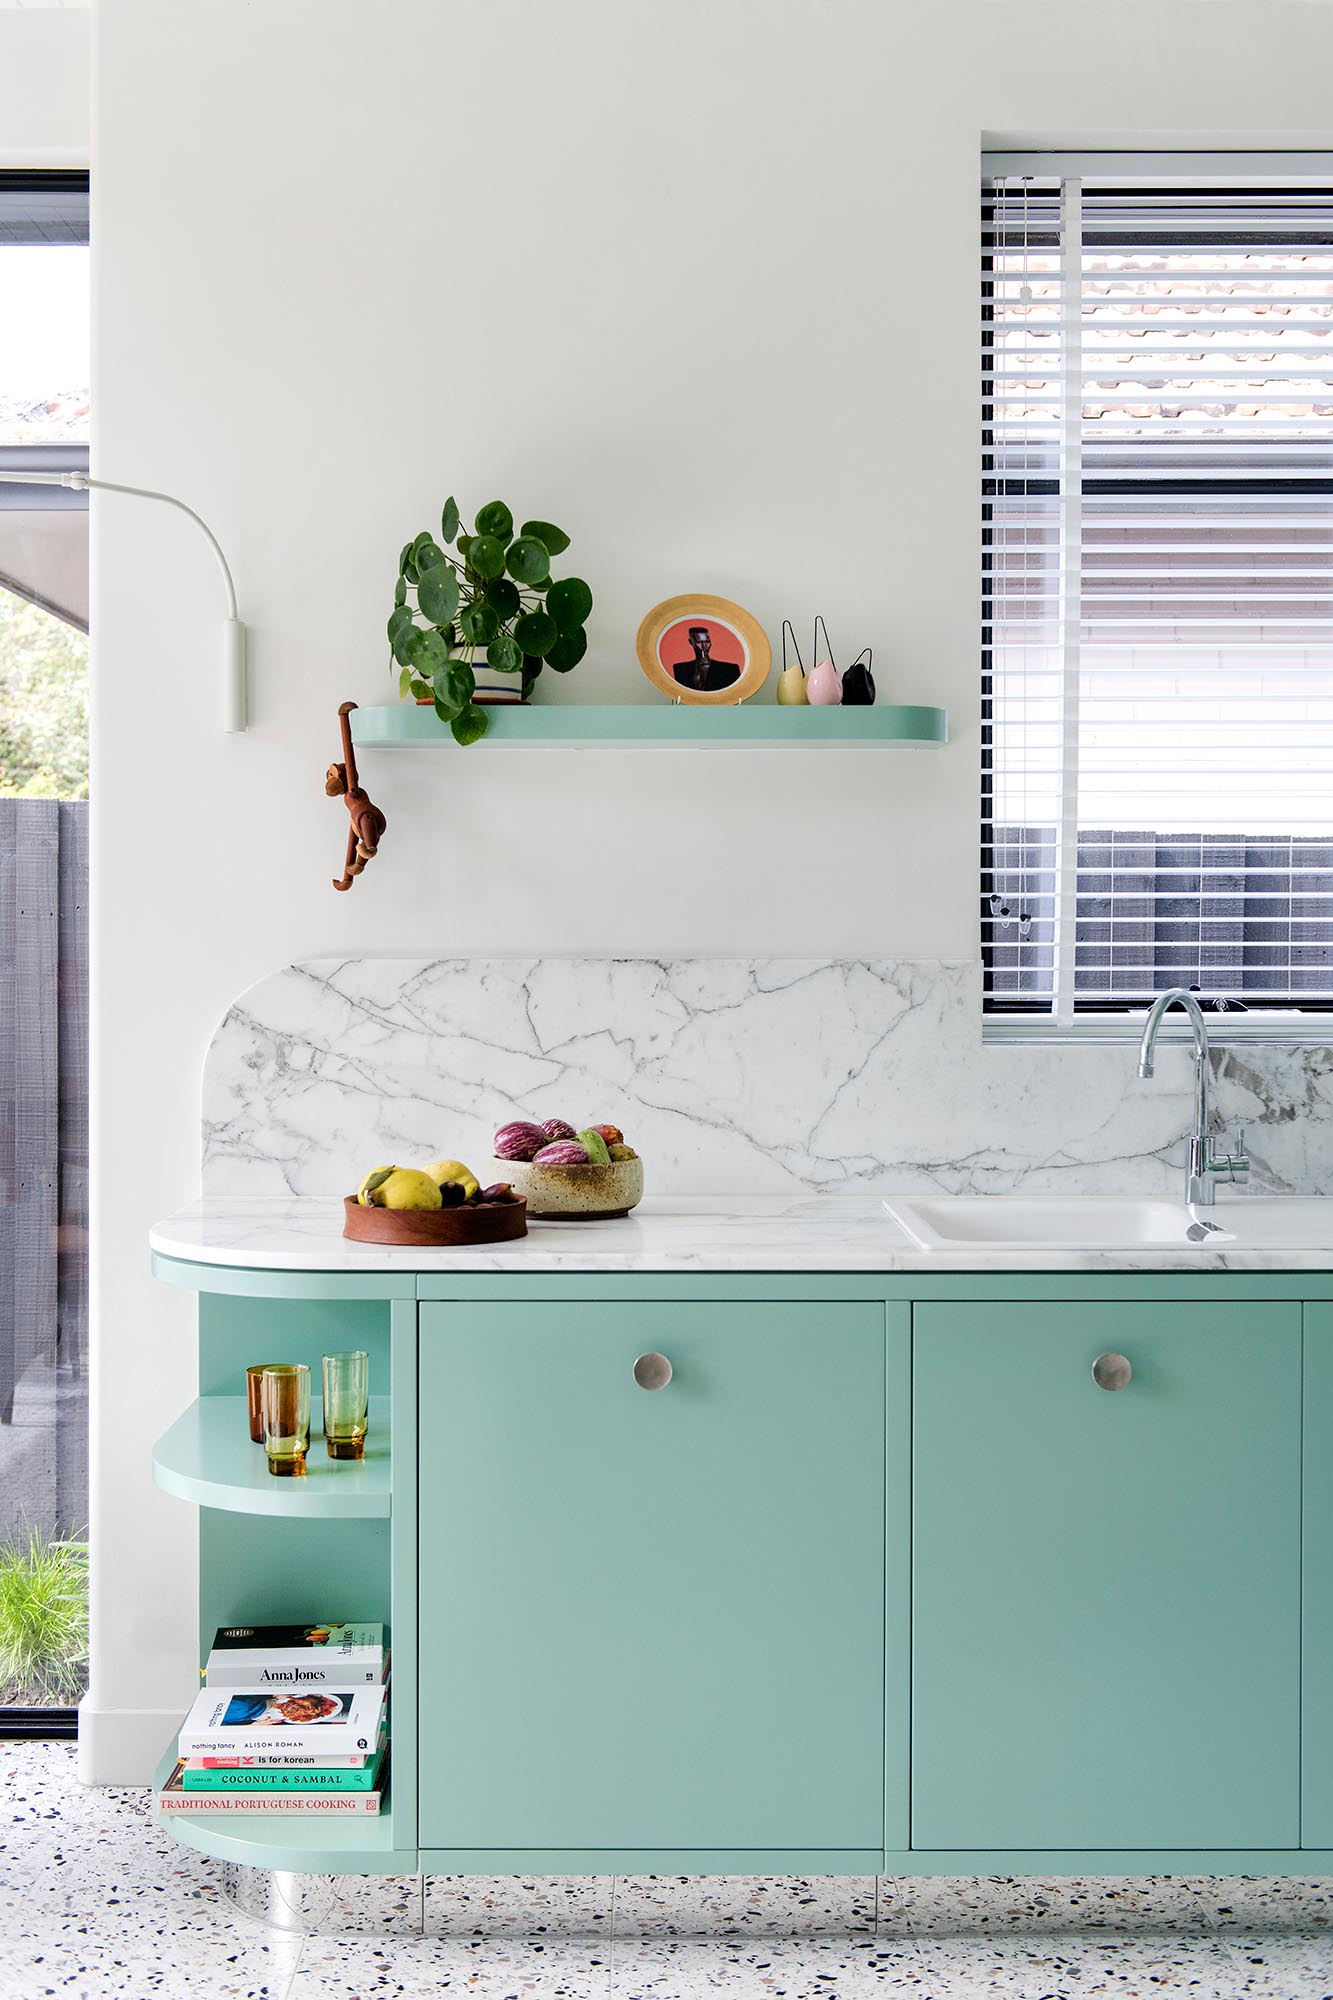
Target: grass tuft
43 1619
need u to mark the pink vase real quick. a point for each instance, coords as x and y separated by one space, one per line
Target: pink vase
824 685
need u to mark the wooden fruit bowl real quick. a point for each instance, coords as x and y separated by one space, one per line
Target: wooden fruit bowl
435 1228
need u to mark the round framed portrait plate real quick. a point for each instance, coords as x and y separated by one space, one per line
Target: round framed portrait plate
704 649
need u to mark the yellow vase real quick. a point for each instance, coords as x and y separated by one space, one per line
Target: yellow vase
791 687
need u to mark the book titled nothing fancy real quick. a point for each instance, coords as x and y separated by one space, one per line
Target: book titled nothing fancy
336 1722
294 1656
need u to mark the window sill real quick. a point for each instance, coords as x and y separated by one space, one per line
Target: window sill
1275 1030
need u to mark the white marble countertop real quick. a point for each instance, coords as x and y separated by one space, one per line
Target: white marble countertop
704 1233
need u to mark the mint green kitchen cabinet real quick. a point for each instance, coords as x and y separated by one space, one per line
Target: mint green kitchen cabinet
653 1618
1317 1558
1106 1581
880 1581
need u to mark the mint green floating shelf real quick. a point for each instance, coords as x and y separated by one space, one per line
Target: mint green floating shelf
207 1457
588 726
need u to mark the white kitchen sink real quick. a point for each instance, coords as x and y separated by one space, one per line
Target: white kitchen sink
1063 1222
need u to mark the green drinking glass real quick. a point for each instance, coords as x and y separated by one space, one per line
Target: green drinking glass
346 1403
284 1398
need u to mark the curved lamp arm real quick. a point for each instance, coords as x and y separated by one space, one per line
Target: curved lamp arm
233 631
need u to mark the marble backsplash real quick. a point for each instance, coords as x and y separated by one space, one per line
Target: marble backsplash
729 1076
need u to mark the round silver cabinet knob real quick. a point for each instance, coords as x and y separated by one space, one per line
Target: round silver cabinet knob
1112 1371
652 1371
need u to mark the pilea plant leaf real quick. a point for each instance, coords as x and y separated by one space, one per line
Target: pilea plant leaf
404 683
455 684
568 650
479 622
528 559
470 724
426 651
504 596
406 567
400 591
504 654
569 602
495 519
426 553
400 629
486 556
438 594
536 633
449 519
556 540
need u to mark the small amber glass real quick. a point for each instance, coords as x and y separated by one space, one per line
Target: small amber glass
346 1403
284 1396
253 1378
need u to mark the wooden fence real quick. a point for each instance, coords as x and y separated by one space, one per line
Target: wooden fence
43 1161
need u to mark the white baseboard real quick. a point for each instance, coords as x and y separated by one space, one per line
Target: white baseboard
121 1746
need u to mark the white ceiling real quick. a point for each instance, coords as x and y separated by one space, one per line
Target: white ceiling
83 4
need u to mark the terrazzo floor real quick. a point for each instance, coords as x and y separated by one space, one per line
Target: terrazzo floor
96 1900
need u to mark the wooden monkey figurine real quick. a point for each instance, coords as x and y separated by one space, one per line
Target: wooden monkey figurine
368 822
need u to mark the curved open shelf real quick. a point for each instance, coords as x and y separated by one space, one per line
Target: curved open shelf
207 1457
587 725
305 1846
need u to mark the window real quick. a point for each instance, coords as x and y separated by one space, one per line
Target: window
1158 592
44 416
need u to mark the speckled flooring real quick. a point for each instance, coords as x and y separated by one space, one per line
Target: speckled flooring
96 1900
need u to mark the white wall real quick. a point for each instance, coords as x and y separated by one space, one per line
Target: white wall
43 87
697 280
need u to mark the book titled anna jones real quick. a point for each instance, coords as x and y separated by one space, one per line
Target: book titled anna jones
295 1656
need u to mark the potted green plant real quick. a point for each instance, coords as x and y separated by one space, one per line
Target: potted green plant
488 592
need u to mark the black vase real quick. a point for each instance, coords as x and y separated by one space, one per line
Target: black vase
858 685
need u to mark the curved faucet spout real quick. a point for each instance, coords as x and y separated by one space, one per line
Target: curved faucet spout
1203 1165
1176 996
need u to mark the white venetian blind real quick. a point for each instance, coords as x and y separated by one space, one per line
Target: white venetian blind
1158 531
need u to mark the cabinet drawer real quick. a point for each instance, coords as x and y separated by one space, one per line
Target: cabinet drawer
652 1618
1106 1588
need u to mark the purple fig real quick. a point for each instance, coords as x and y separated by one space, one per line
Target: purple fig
452 1194
563 1153
556 1128
519 1140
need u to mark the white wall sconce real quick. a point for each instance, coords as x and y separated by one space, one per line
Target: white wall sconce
233 663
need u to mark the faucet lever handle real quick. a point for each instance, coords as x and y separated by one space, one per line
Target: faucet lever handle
1239 1163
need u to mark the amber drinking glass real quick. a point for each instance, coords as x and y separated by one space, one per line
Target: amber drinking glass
284 1396
346 1402
253 1377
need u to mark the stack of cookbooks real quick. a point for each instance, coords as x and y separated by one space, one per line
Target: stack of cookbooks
292 1718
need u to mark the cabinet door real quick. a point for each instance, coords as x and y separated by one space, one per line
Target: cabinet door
652 1618
1317 1554
1106 1616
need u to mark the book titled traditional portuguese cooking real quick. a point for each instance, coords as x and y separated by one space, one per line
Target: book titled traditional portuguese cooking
326 1722
249 1656
175 1798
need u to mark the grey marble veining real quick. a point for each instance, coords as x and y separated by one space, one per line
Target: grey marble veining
728 1076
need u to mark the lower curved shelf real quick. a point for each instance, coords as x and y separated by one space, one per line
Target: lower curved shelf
286 1841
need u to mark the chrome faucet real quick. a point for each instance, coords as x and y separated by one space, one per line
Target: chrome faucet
1203 1166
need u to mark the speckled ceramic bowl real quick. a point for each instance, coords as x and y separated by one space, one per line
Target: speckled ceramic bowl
587 1194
